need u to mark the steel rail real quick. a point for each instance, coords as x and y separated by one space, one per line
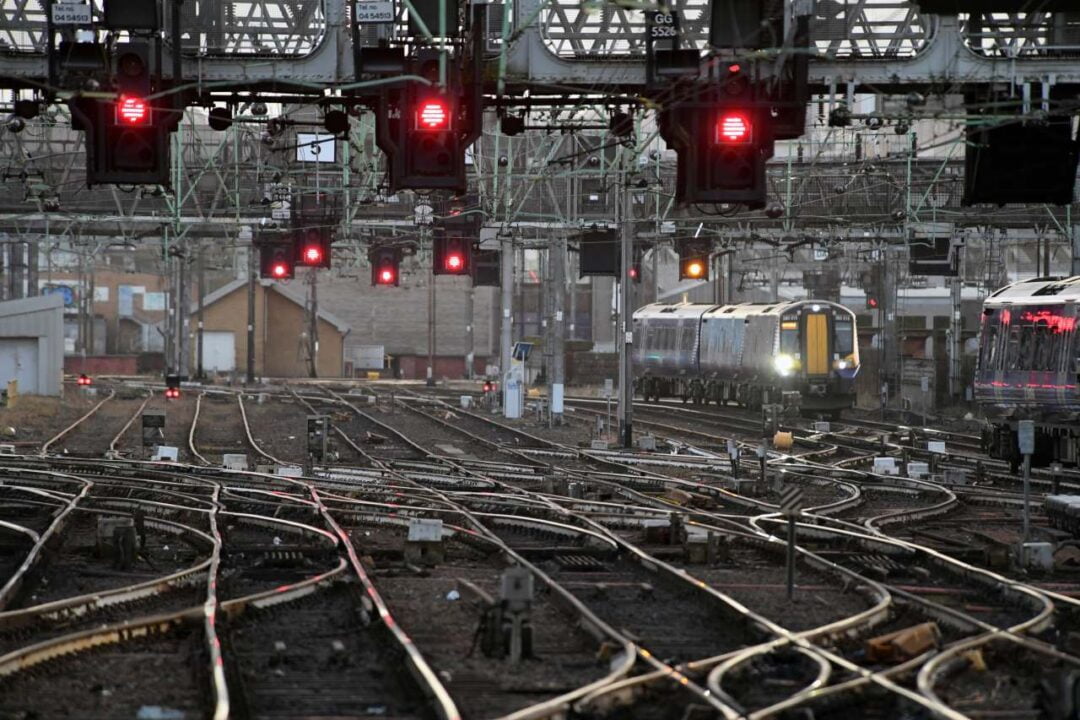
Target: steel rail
113 443
14 582
48 443
209 610
250 438
425 676
191 431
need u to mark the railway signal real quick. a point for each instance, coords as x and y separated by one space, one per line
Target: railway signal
313 247
694 261
425 132
635 264
127 136
723 135
277 261
172 387
84 380
873 282
385 266
452 255
600 253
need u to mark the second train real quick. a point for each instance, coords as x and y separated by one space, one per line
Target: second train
748 353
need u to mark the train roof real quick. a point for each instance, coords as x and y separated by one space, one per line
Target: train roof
740 310
745 310
1037 291
672 310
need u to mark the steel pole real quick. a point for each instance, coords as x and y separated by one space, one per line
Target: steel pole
558 364
470 340
1027 498
955 341
431 329
199 370
624 336
251 267
506 292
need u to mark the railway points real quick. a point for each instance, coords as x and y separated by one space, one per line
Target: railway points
542 360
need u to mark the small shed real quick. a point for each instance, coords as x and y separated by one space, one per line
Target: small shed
32 344
281 325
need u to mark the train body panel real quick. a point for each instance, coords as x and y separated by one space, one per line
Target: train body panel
743 353
1028 368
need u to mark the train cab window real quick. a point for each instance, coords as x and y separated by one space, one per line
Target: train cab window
789 337
845 336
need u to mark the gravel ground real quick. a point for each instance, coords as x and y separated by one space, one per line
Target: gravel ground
35 419
759 581
221 429
76 568
483 687
115 681
178 415
313 658
279 427
92 437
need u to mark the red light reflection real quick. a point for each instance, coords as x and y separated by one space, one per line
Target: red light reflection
1057 323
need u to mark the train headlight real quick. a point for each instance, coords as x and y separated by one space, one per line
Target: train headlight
841 364
784 364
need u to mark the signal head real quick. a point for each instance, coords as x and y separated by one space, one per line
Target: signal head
433 114
131 110
733 128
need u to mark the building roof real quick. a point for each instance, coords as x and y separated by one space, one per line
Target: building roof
281 289
22 306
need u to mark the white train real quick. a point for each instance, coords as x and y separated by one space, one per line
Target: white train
1029 369
740 353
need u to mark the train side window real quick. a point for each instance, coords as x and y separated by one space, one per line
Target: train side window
990 353
1012 347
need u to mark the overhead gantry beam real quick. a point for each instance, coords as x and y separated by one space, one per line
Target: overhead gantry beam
913 51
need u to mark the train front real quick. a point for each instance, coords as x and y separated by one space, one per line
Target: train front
818 355
1029 369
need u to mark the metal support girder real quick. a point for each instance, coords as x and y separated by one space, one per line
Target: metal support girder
943 58
329 62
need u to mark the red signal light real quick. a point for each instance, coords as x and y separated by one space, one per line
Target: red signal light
132 110
172 393
312 255
433 115
84 380
871 302
279 270
454 262
733 128
386 276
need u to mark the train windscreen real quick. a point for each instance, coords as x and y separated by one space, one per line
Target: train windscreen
1032 337
845 336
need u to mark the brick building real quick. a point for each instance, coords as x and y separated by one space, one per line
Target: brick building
280 332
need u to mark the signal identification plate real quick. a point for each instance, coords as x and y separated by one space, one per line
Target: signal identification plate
374 11
71 13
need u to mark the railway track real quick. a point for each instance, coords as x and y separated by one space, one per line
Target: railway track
315 595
